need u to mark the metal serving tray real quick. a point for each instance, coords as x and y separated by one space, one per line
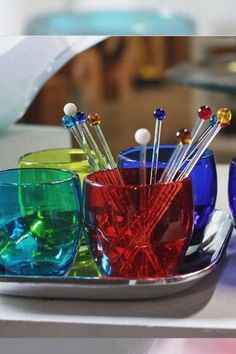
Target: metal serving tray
196 267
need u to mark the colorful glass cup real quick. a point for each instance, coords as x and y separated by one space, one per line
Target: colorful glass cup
232 189
72 160
204 179
137 231
40 221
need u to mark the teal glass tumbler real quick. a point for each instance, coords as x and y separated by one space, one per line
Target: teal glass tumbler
40 221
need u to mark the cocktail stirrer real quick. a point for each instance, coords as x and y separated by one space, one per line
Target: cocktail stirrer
159 115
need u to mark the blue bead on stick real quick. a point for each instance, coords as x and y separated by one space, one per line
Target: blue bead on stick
159 115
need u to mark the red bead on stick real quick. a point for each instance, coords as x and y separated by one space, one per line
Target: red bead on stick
204 112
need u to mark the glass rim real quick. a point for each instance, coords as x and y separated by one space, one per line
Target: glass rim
233 161
71 176
207 153
35 153
87 180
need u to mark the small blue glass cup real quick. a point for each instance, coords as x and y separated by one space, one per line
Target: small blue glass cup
232 189
40 221
204 180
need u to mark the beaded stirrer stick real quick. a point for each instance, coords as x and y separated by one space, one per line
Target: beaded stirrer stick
224 117
195 146
183 139
68 121
80 121
142 137
95 121
159 115
204 114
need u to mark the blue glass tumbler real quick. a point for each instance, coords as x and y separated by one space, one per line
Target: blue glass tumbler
204 179
232 189
40 221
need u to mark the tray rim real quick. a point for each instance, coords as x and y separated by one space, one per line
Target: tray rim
94 282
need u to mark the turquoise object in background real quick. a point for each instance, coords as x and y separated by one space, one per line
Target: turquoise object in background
40 221
112 22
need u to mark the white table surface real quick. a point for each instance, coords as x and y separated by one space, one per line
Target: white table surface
21 139
208 309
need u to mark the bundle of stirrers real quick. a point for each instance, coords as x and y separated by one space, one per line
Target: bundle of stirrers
98 160
189 149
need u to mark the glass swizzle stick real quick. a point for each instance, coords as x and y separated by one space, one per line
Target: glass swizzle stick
204 114
80 120
195 146
69 122
159 115
95 120
224 117
142 137
183 140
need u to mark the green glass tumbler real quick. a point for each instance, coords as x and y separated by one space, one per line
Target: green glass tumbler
73 160
67 159
40 221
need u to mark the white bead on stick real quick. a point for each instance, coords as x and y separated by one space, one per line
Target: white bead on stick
69 122
142 137
70 109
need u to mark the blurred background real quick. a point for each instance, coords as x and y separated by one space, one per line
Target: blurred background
172 17
125 78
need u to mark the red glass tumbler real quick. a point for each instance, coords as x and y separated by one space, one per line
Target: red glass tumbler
134 230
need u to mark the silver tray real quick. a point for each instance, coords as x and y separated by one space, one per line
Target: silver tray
196 267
